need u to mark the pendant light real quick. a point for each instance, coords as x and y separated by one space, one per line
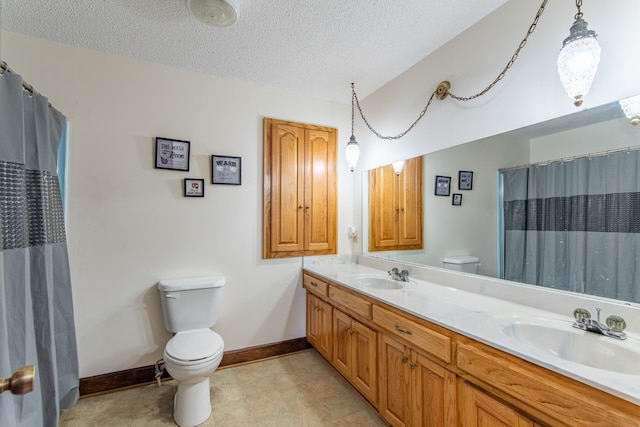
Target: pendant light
353 149
578 59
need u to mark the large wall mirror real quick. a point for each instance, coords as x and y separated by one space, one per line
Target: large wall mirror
471 225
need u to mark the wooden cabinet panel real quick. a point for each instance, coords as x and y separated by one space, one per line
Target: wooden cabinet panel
300 189
350 301
395 207
314 285
355 354
477 409
319 325
423 338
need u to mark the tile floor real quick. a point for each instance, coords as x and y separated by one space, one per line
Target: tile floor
300 390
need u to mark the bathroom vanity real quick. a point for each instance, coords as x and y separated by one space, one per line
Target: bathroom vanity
428 353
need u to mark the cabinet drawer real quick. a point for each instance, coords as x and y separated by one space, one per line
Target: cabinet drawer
350 302
423 338
314 285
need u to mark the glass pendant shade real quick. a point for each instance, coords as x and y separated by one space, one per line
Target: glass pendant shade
397 166
631 108
353 153
578 61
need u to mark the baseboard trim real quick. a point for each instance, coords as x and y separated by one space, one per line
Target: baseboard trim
105 383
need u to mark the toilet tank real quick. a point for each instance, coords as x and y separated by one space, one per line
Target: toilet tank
467 264
190 303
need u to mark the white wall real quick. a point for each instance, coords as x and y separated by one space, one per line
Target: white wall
530 93
128 223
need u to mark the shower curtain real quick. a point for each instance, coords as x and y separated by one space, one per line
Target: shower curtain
575 225
36 313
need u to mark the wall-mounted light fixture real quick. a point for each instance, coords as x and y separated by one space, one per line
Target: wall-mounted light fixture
578 59
442 91
353 149
631 108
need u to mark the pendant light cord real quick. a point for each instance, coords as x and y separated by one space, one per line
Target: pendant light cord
437 93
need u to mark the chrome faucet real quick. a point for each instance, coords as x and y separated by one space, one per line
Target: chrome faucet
614 327
396 274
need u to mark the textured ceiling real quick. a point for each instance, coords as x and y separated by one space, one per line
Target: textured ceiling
312 47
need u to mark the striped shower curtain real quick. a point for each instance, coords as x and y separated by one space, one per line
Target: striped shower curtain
36 313
575 225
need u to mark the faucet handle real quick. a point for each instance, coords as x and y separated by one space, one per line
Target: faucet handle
616 323
581 314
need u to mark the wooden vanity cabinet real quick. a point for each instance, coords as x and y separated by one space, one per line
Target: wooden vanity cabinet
395 207
300 189
428 375
355 354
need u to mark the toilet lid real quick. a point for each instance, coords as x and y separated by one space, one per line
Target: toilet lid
194 345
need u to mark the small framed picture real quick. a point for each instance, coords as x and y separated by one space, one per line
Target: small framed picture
193 187
465 180
443 185
456 200
172 154
226 170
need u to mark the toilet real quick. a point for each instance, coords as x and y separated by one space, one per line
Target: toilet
466 264
190 308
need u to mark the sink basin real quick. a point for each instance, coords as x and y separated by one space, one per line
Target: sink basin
559 339
376 282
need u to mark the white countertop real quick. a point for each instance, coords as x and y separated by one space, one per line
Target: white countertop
469 310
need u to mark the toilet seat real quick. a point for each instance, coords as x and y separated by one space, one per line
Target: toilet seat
195 346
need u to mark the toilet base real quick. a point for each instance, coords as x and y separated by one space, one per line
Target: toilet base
192 403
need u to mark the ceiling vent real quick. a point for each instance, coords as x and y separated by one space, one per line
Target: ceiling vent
219 13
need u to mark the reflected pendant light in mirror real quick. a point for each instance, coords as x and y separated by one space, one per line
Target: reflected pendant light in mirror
631 108
578 59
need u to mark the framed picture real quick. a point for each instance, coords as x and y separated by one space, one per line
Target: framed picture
457 199
465 180
172 154
193 187
226 170
443 185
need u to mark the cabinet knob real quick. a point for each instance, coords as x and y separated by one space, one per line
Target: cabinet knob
405 359
300 207
412 365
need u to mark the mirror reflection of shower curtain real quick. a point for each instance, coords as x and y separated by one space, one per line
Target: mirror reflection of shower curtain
575 225
36 313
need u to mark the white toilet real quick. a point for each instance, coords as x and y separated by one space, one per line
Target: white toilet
190 308
467 264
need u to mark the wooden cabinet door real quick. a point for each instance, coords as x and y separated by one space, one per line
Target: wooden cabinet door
395 387
287 187
320 191
477 409
319 325
410 216
383 208
355 353
434 393
395 207
342 353
364 374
